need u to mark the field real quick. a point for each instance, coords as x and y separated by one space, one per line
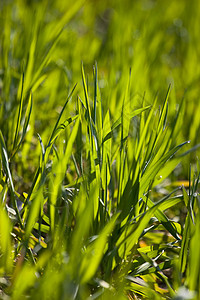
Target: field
99 146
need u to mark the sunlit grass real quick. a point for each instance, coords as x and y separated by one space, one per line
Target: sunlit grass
99 124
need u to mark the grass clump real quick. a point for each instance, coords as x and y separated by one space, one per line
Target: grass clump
95 197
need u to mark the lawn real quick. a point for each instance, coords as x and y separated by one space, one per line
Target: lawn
99 147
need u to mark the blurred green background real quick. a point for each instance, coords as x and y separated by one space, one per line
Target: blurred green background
48 40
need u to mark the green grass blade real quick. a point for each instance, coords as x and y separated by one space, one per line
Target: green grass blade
52 137
95 252
163 218
5 242
153 170
194 258
25 126
33 214
19 117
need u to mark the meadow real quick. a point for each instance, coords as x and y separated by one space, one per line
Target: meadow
99 147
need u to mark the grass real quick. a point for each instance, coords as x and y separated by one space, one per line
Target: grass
99 169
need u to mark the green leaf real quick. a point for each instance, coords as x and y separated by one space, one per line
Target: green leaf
170 226
95 252
153 169
34 211
25 126
19 117
194 258
6 259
